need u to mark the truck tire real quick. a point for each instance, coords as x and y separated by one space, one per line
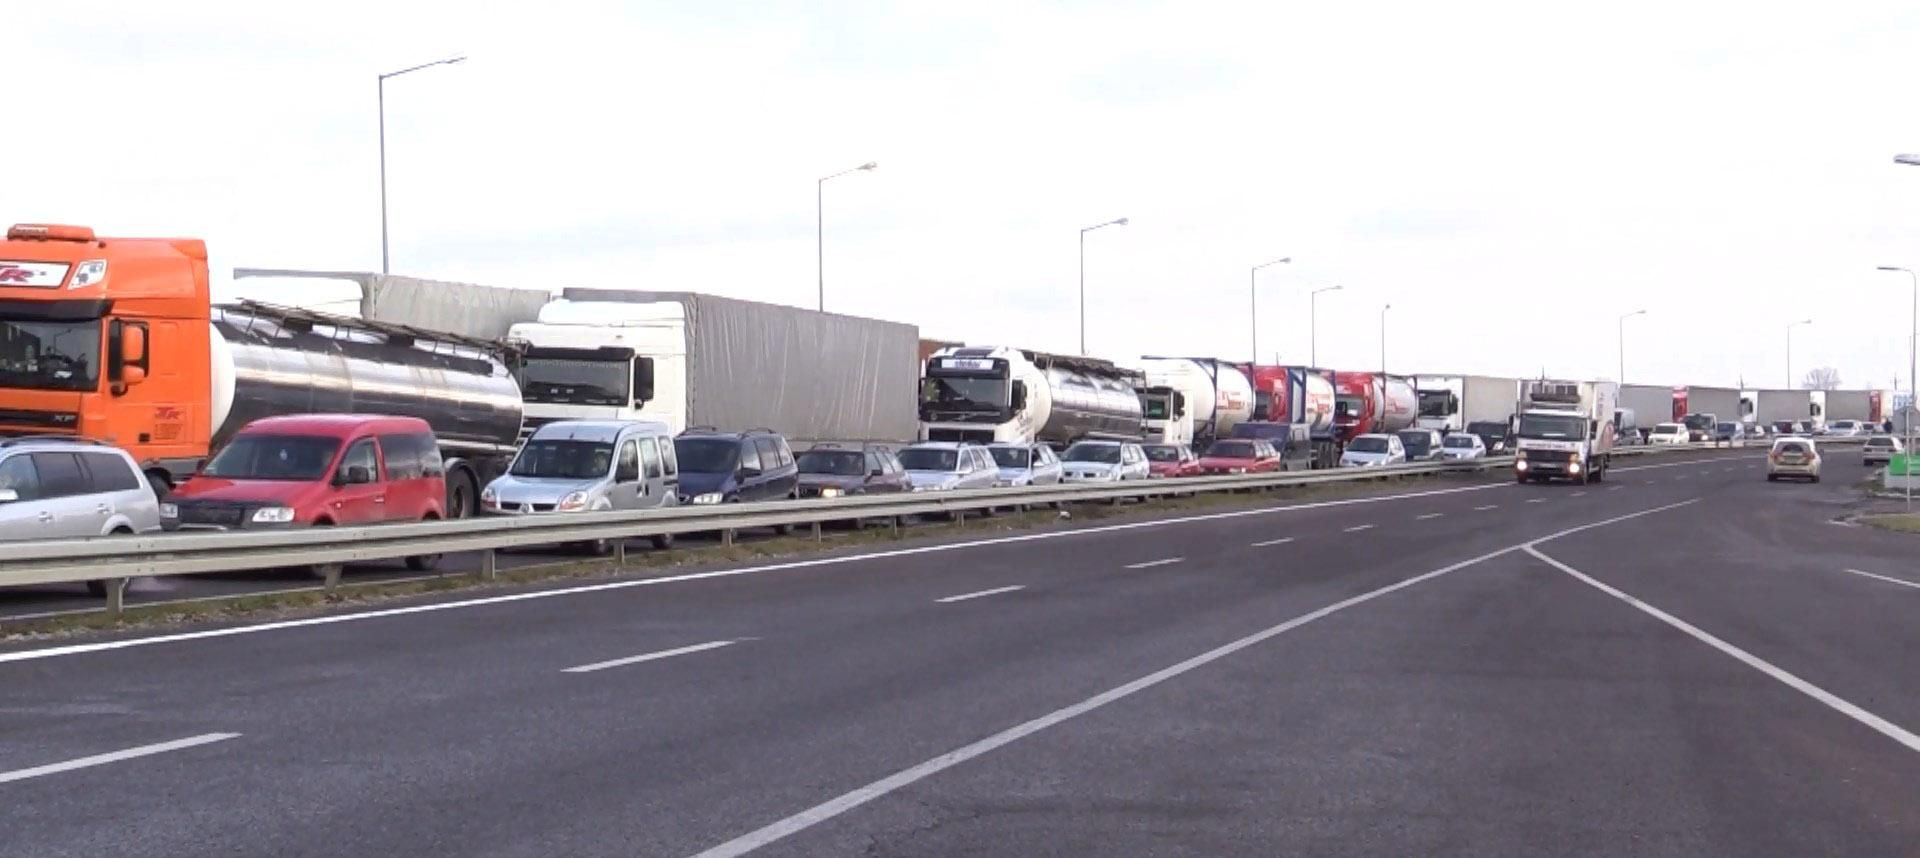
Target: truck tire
461 494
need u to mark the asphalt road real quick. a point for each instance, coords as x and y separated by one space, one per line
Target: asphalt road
1676 662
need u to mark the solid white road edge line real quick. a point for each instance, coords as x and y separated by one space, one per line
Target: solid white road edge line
1882 725
834 807
1149 563
993 592
1891 580
1281 541
651 656
1356 528
116 756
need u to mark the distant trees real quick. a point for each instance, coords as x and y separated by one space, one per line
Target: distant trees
1821 378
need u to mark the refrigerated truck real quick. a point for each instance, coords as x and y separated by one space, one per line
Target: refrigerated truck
688 359
1450 403
1565 430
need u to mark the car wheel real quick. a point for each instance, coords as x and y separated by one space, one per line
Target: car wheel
423 562
1773 478
785 529
596 547
662 541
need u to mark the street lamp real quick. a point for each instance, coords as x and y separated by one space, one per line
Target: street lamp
1083 276
1253 303
1913 344
383 147
1790 328
1313 323
820 226
1383 340
1623 342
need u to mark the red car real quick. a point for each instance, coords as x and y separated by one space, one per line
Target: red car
1171 460
1240 456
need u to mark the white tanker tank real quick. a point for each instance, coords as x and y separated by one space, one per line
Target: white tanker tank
1218 395
994 393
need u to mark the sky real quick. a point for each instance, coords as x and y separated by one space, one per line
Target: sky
1509 177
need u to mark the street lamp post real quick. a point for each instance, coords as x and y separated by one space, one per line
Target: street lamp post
1313 322
1083 276
1253 304
1383 339
1623 342
383 147
1790 349
1913 397
820 226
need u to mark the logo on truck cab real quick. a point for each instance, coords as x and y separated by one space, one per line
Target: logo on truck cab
47 274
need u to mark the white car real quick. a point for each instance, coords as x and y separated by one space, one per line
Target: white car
1846 429
1793 457
938 466
1462 445
1372 451
1880 450
1104 461
1669 433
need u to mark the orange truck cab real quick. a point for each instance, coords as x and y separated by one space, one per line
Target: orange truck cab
81 319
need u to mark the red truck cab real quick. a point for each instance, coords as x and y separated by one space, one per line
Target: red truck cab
315 470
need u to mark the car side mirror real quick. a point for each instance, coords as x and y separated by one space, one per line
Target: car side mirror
749 472
876 472
9 495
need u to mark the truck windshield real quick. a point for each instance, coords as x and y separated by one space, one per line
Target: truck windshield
838 463
963 393
1557 427
1435 403
1009 457
1347 408
707 455
260 456
50 355
577 382
563 460
1104 453
929 459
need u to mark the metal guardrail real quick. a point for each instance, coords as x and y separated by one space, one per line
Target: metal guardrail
118 558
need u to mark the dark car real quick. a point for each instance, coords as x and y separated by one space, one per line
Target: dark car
1492 433
830 471
729 467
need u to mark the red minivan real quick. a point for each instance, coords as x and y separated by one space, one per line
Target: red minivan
316 470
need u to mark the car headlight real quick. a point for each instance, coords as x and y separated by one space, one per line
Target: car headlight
273 515
573 502
168 510
489 499
707 499
1520 464
831 492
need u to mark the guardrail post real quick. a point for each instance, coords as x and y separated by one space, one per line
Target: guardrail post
726 538
817 536
620 552
894 521
489 565
960 517
333 571
116 596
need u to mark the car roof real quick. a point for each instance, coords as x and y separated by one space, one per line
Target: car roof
598 430
336 425
58 442
941 445
1793 440
1381 435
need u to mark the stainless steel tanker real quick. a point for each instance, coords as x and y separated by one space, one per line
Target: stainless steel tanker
996 393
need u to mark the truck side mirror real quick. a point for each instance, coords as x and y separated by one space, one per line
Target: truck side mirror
126 354
1179 404
643 380
1019 397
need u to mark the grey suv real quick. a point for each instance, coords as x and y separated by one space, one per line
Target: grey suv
64 488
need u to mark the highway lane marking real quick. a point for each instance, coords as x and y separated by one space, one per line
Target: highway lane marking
1152 563
1281 541
993 592
1577 494
781 829
116 756
1536 500
1428 515
1487 507
1356 528
1889 579
1838 704
651 656
1615 488
486 601
1692 463
1681 477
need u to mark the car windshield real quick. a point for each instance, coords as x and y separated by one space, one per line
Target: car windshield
1488 430
707 455
50 355
1795 447
1698 421
563 459
929 459
1558 427
1880 442
1231 450
582 382
837 463
1162 452
1669 429
1107 454
1458 442
261 456
1417 443
1010 457
1368 444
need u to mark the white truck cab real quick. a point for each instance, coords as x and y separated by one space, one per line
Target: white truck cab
1565 430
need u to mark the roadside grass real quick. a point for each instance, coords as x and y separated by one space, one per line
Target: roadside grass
1903 522
642 563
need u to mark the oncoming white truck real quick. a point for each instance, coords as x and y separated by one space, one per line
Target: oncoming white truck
1565 430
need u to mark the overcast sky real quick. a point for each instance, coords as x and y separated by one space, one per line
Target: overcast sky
1510 177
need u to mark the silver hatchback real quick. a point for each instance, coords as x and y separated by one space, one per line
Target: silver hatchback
64 488
590 465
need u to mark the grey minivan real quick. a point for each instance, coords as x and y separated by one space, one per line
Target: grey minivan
66 488
590 465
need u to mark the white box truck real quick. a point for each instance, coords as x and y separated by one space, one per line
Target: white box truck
1565 430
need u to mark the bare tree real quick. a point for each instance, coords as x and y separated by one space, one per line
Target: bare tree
1821 378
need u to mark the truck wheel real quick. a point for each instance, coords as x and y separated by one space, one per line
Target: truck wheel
460 494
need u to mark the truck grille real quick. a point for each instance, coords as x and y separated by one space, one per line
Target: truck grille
982 436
